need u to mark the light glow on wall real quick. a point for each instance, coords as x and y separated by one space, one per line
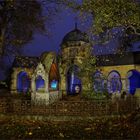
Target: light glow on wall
54 84
114 83
40 83
133 81
23 82
73 81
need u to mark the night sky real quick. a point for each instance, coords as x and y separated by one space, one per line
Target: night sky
63 23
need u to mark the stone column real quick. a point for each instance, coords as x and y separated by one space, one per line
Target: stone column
14 81
46 78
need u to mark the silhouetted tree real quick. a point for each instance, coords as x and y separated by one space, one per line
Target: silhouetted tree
18 21
109 14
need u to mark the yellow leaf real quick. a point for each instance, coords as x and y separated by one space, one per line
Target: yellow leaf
87 129
30 133
61 135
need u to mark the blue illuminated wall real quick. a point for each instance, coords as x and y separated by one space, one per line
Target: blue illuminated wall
54 84
54 77
23 82
134 81
40 83
73 81
114 82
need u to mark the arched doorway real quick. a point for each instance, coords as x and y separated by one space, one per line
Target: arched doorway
114 83
54 77
40 83
23 82
74 84
133 82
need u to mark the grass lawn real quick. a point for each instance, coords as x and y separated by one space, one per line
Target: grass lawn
125 127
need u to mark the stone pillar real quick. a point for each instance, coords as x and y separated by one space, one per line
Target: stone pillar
63 84
40 97
46 84
14 81
124 84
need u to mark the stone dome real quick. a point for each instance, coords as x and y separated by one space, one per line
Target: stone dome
75 35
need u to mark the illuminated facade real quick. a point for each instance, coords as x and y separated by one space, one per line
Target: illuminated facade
45 77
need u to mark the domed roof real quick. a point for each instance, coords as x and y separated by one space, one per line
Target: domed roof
75 35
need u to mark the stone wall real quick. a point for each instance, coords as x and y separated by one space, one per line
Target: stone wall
73 54
137 67
54 96
122 69
69 108
14 75
40 98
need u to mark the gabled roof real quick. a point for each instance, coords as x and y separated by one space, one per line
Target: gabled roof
25 61
127 58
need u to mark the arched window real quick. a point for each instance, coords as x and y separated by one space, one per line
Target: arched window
40 83
73 81
53 77
114 83
98 82
23 82
133 81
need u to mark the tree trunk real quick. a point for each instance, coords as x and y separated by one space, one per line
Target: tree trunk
2 41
